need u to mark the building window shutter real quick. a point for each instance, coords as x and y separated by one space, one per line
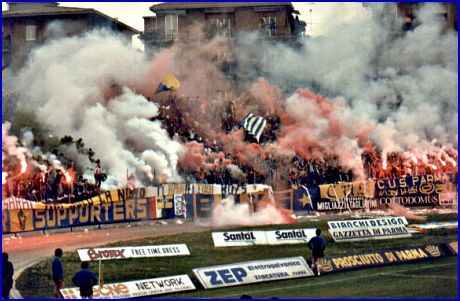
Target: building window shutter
31 33
171 27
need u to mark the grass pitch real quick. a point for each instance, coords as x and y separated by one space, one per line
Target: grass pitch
427 279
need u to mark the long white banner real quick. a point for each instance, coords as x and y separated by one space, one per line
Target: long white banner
137 288
292 236
369 229
252 271
252 238
241 238
132 252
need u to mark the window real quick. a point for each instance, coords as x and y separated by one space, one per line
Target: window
171 27
222 27
31 32
267 26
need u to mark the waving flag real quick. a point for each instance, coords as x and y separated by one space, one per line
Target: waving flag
168 83
254 125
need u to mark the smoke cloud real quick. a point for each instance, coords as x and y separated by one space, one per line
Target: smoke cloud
84 90
398 90
230 214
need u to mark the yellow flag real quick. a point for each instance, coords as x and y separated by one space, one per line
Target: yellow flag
168 83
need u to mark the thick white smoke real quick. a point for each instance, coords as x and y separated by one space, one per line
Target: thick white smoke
11 147
79 86
404 86
230 214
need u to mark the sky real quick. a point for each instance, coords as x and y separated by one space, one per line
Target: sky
320 16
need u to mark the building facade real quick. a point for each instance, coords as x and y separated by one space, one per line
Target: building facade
27 24
274 20
192 23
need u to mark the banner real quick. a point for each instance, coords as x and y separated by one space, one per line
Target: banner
252 238
305 198
242 238
340 191
180 207
422 191
252 271
368 229
137 288
385 257
124 205
120 205
132 252
346 196
453 247
213 189
291 236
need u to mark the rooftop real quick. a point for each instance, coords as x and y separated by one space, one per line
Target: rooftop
30 9
197 5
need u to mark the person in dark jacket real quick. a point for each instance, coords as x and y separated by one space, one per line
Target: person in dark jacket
317 245
58 273
85 279
7 276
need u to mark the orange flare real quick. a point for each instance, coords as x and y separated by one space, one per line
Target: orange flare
23 166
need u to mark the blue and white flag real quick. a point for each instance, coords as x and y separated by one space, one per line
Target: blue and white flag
254 125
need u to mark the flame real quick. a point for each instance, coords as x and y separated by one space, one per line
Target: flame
414 159
384 160
23 166
4 176
68 178
434 167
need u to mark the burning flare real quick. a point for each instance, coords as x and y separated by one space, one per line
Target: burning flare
23 166
68 177
384 163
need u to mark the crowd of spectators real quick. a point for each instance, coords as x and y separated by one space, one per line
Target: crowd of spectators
62 185
53 185
282 172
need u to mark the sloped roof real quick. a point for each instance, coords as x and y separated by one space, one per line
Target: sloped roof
194 5
61 10
44 10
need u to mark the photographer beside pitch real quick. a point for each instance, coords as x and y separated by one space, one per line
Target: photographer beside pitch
317 244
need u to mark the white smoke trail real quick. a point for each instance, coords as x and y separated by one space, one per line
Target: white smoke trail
70 98
230 214
11 147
